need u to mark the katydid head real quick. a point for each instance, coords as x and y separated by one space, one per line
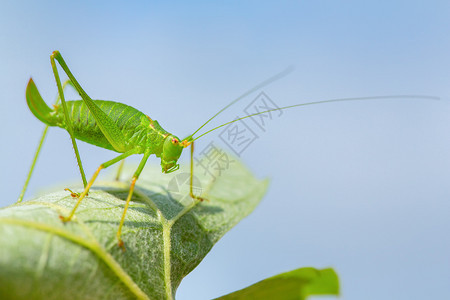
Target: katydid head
172 149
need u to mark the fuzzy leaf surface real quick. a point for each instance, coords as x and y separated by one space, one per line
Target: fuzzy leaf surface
166 235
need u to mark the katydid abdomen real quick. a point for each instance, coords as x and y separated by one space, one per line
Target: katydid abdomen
134 125
139 130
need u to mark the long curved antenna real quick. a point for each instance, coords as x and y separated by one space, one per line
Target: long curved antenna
256 87
325 101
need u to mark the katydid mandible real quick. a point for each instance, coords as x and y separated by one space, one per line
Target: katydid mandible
124 129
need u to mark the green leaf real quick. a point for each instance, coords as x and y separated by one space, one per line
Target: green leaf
166 236
296 284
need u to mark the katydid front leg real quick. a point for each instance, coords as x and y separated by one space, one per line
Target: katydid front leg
191 179
91 182
130 193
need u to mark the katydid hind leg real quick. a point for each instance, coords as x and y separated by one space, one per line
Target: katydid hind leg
64 86
38 149
107 126
68 120
33 164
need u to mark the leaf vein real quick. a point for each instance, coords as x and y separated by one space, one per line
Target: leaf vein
91 245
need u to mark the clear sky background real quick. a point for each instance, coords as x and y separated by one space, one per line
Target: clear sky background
362 187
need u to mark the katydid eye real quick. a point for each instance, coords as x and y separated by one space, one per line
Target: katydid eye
175 141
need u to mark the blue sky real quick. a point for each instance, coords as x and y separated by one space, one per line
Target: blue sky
362 187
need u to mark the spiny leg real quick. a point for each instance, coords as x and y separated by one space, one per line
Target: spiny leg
91 182
191 181
130 193
66 116
38 150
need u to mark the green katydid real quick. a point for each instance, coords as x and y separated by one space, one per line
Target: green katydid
124 129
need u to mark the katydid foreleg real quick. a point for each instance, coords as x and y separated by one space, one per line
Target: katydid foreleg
130 193
191 179
91 182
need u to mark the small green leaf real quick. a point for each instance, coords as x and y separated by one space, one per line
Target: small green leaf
296 284
166 236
